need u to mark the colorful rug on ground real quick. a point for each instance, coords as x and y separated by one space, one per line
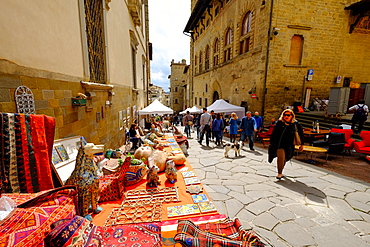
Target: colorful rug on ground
81 232
28 224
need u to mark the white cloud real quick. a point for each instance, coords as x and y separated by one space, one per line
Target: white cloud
167 21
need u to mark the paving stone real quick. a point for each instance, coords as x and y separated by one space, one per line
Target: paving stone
343 209
212 181
335 193
236 188
241 197
216 196
363 226
211 175
359 205
260 206
207 188
258 187
359 196
334 236
227 166
208 162
283 201
366 217
197 165
305 223
282 213
294 234
302 211
342 188
298 197
221 208
209 169
266 221
269 237
220 189
231 182
233 207
222 173
255 195
316 200
200 174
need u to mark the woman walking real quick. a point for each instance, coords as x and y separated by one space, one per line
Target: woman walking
233 122
282 140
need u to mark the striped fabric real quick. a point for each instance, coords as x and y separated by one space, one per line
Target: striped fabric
226 234
26 146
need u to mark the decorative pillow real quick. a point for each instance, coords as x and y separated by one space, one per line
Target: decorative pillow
81 232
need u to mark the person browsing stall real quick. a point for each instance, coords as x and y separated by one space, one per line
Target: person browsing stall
248 127
282 140
205 126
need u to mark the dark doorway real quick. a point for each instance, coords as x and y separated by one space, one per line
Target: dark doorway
215 96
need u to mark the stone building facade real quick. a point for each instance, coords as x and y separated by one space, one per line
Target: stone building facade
61 48
178 85
260 53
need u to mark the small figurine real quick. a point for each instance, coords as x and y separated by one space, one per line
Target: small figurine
171 171
153 178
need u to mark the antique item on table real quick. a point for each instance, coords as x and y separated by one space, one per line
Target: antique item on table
179 159
206 206
79 231
188 174
158 195
200 198
182 210
153 178
112 186
171 171
135 213
194 189
62 152
136 172
191 180
143 152
159 159
85 175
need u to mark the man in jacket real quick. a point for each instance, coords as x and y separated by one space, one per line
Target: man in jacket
248 127
205 126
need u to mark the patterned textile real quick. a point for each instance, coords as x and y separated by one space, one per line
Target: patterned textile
26 146
80 232
85 176
28 224
227 227
112 186
188 234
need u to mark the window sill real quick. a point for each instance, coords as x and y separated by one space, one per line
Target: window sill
295 66
96 86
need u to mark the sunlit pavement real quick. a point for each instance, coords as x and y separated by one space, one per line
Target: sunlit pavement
310 207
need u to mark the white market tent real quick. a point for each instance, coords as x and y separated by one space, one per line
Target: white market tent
156 107
194 109
221 106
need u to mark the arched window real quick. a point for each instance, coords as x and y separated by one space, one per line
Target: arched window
296 49
228 45
206 66
216 50
200 62
245 40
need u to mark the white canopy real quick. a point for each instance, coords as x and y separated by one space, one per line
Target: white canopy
221 106
156 107
194 109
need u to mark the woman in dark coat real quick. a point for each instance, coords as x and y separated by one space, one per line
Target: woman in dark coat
282 140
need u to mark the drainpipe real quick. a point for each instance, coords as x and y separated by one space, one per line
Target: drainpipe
267 58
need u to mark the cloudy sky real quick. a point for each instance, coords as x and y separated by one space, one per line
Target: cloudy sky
167 21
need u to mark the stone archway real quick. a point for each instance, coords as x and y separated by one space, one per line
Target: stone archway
216 96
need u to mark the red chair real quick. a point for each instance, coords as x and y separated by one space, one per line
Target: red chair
349 142
364 145
266 134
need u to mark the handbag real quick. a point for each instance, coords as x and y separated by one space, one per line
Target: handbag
297 139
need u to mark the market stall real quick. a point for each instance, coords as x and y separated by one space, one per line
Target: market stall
221 106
